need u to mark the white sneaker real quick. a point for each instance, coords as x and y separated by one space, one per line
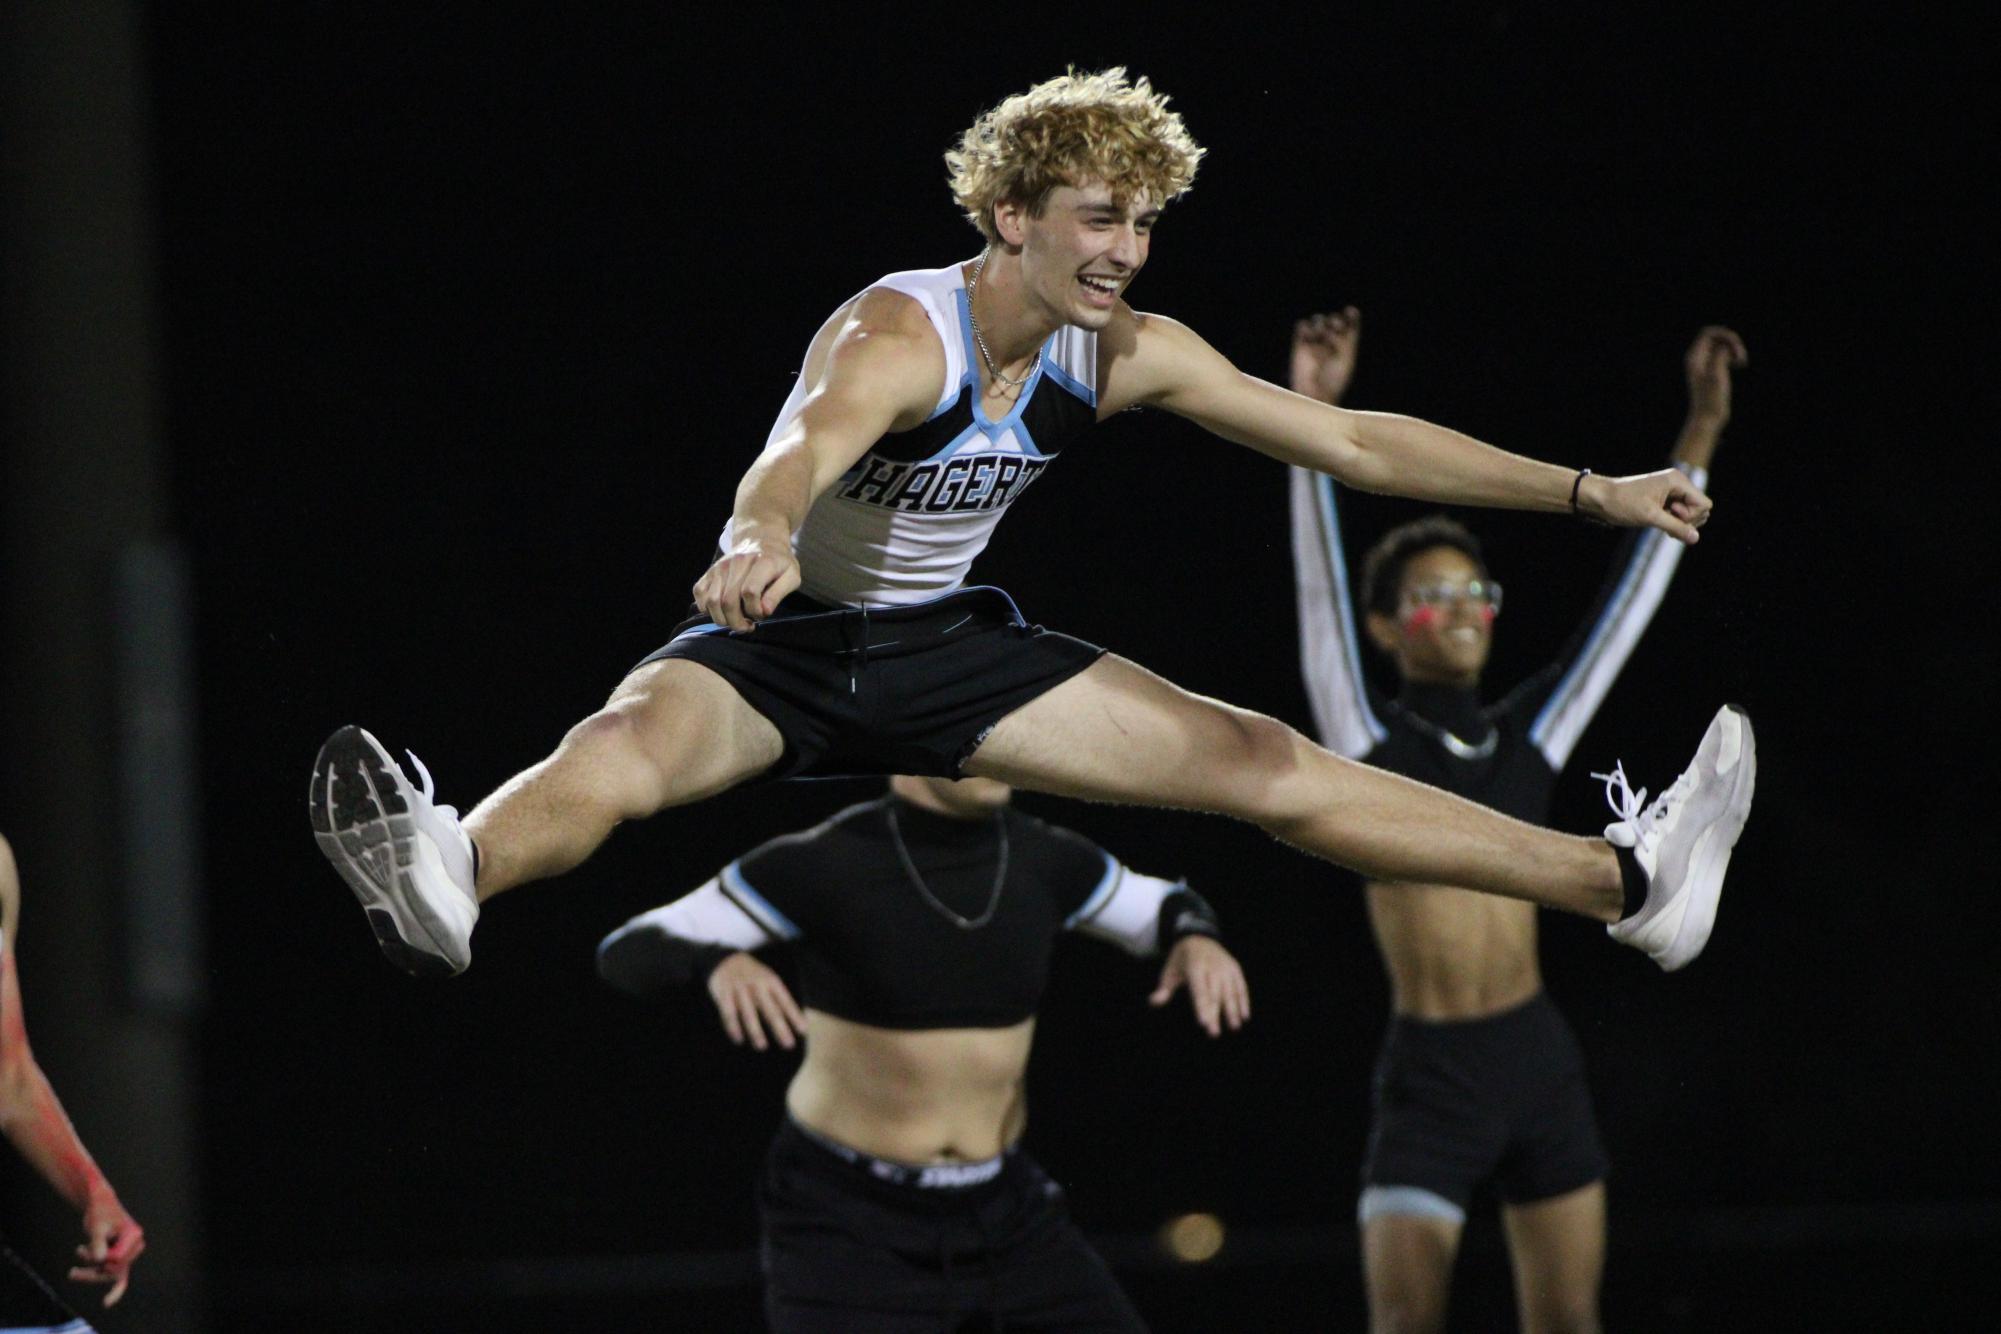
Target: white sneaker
405 858
1683 841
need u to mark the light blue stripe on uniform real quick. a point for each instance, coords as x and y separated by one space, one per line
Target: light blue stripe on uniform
1344 602
1100 894
773 921
1594 646
1013 419
1071 383
1382 1201
975 359
1644 551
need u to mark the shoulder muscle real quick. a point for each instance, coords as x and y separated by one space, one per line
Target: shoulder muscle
1140 357
878 349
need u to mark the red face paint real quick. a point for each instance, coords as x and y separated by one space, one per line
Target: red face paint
1487 612
1420 620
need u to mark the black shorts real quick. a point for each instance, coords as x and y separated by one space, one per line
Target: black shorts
28 1305
847 1251
1500 1099
898 690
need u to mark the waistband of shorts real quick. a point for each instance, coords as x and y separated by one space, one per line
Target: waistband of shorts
801 622
1527 1011
942 1177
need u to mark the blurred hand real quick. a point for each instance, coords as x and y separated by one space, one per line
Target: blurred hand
1323 354
113 1239
750 996
1215 980
1715 352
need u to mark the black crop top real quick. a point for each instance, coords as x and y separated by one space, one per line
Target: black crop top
909 946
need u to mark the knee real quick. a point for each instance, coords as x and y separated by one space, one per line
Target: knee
1260 759
611 729
612 745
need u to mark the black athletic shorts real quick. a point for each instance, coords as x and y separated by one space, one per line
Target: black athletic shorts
855 1245
1500 1099
898 690
27 1304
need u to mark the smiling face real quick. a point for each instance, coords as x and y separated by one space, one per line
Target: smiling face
1079 252
1443 626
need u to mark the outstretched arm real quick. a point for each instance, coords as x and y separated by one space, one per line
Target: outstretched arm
1323 361
1154 360
33 1119
1639 581
1715 352
708 935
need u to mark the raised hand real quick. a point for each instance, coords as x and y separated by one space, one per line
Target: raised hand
1323 353
1715 352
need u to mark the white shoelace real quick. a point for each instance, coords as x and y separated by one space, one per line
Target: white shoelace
1631 807
451 812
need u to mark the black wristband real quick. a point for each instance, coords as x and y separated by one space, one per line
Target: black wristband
1186 913
1575 486
648 963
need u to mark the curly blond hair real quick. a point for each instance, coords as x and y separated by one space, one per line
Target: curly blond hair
1067 131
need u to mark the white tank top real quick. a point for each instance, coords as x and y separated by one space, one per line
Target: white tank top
904 523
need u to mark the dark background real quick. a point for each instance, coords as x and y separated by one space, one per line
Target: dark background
469 325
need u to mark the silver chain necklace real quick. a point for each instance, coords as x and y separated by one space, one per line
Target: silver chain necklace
979 267
910 869
1451 740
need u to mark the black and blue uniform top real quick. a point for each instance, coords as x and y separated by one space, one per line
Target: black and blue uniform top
1506 755
903 524
907 919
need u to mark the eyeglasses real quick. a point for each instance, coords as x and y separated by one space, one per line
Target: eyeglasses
1483 592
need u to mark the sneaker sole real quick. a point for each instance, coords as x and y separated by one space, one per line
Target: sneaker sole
1712 856
362 825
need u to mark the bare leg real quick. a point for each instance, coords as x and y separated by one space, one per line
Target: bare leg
1116 732
1407 1267
673 732
1558 1248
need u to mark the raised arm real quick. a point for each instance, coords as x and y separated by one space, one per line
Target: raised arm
33 1119
708 935
1157 361
1324 348
1715 352
1640 578
874 367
